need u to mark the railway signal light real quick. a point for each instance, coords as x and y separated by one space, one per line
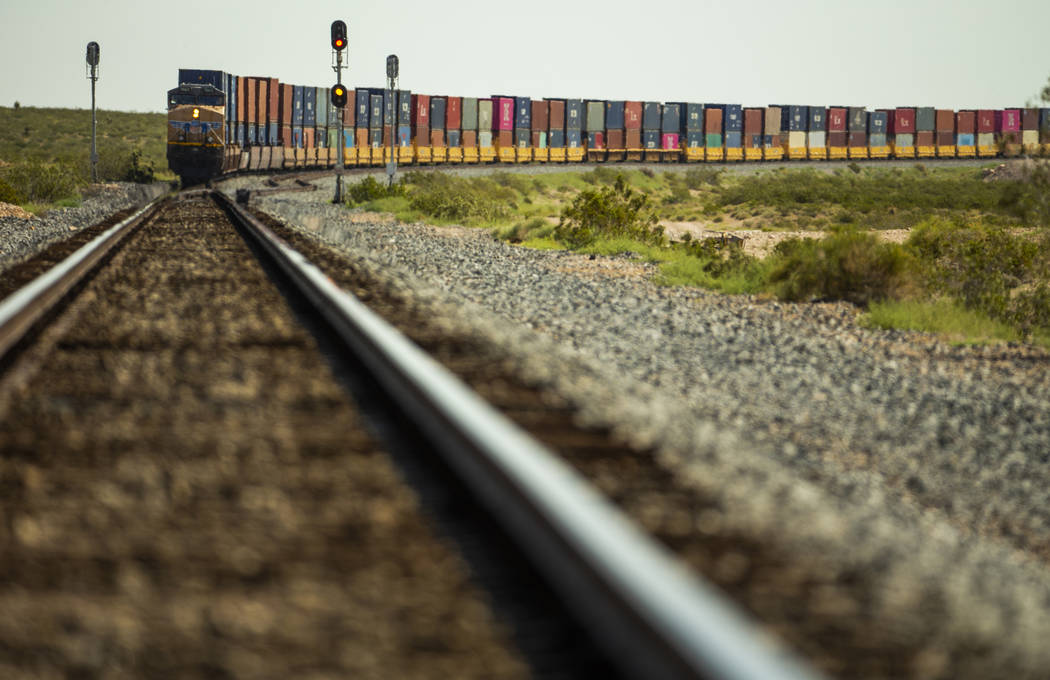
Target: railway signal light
339 96
338 35
92 53
392 65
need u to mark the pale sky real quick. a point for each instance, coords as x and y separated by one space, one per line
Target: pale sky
950 54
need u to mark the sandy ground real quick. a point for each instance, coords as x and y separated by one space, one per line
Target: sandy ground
757 242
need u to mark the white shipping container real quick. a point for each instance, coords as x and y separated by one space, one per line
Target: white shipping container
986 139
1030 137
817 139
905 139
485 139
797 140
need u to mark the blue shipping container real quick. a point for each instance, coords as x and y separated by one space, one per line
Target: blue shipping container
734 139
614 118
297 105
348 138
375 135
196 76
438 107
877 123
671 118
651 115
794 118
522 138
271 134
362 105
404 106
694 139
574 116
322 95
694 118
453 137
734 118
650 139
818 119
309 106
574 137
375 113
253 135
556 139
404 135
963 139
523 113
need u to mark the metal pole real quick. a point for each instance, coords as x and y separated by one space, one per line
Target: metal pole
392 69
340 143
94 125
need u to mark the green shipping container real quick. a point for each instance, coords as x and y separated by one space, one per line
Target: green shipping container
470 113
713 140
333 138
595 116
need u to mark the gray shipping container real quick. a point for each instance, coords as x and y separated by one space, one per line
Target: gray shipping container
925 119
595 116
469 113
694 118
858 119
651 116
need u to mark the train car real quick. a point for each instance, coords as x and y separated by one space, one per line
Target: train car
197 132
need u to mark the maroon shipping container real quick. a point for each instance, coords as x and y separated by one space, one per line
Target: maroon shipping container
837 138
713 121
453 113
1030 119
753 121
945 139
902 122
469 138
242 99
274 91
632 118
837 120
285 135
421 110
422 135
387 132
924 138
985 120
309 138
556 114
945 120
966 122
1008 120
858 139
615 139
633 139
284 109
350 110
505 138
503 114
539 115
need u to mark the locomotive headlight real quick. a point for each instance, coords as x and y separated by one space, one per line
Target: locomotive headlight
196 113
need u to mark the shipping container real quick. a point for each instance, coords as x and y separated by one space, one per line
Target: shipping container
437 137
274 100
670 141
694 139
309 137
195 76
712 140
857 139
485 116
966 139
596 138
944 138
651 116
924 138
485 137
614 139
734 118
453 114
837 120
650 139
633 137
470 137
858 119
1044 120
734 139
837 138
285 105
1008 120
878 140
753 122
556 114
375 111
421 113
905 139
817 139
298 105
540 116
574 116
573 136
902 121
925 119
309 107
438 109
713 117
404 107
595 120
556 139
797 140
453 136
469 115
878 124
945 120
1030 119
614 115
794 118
671 119
363 105
694 118
632 115
818 119
539 138
771 125
985 121
966 122
503 112
322 96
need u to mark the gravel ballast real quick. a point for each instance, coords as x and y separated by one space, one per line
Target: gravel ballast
913 467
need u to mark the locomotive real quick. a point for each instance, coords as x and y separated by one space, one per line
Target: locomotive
196 131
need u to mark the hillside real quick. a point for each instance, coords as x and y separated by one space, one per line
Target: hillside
30 134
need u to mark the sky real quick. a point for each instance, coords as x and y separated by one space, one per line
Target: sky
948 54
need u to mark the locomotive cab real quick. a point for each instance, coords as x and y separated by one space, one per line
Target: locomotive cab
196 131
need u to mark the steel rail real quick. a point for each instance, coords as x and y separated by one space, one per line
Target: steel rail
26 306
655 617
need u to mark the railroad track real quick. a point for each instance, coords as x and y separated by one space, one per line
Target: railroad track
181 420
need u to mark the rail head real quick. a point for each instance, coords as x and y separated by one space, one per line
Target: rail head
654 616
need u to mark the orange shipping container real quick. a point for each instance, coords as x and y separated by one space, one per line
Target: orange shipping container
632 117
470 138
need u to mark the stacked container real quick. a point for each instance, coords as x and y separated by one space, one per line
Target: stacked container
453 129
692 132
966 134
902 132
651 122
857 140
1008 127
817 136
945 133
404 126
794 120
540 124
753 134
838 140
733 125
469 127
986 147
574 129
771 139
615 140
522 129
486 118
421 127
556 130
878 139
670 127
1030 130
285 115
503 127
594 124
1044 130
438 143
925 132
714 117
632 122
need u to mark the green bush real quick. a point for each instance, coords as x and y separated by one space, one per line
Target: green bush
847 265
8 194
369 189
535 228
697 178
443 196
616 211
42 182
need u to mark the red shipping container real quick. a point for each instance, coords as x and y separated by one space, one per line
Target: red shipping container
985 121
945 120
902 122
632 118
556 114
858 139
924 138
469 138
505 138
285 133
633 139
309 138
596 140
284 110
966 122
945 139
1030 119
539 115
251 95
387 132
1008 120
713 121
421 110
453 113
837 120
615 139
274 91
422 135
670 142
242 99
503 114
350 110
752 121
837 138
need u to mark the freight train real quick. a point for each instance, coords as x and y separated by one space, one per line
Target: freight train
221 123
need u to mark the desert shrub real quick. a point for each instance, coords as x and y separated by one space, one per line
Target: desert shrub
535 228
514 181
697 178
616 211
601 175
42 182
8 194
442 196
369 189
847 265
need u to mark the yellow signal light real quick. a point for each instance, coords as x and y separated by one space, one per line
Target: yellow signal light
196 113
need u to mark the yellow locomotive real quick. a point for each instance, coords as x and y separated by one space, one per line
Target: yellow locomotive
196 131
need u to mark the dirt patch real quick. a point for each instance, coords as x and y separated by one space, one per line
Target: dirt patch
760 243
10 210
